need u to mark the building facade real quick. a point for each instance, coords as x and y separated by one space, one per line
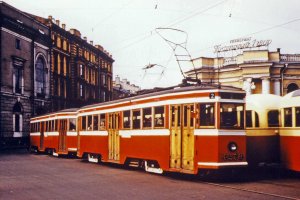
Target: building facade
81 72
123 88
45 68
256 71
24 73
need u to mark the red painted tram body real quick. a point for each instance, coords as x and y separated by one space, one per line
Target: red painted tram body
182 129
55 133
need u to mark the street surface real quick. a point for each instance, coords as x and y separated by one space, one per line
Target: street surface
30 176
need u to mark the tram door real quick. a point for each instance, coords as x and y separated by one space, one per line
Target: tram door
113 136
62 135
42 135
182 137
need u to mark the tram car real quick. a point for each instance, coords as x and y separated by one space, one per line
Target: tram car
262 129
181 129
54 133
290 131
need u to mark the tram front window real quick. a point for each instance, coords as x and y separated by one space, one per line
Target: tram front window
232 116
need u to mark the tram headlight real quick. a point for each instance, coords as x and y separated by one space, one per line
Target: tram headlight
232 146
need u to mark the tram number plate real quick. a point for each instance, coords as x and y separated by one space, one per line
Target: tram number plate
212 95
233 156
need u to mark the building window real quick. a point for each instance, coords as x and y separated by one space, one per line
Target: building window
18 76
80 70
292 87
58 64
17 117
18 44
81 90
40 76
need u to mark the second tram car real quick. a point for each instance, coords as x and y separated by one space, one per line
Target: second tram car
290 131
180 129
55 133
262 124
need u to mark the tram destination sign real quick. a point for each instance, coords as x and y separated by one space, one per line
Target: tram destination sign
242 43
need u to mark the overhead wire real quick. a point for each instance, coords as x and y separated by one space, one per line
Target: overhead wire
257 32
177 21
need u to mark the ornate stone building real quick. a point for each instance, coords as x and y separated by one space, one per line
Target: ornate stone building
256 71
24 73
45 68
81 72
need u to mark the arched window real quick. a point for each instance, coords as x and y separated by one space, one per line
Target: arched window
40 76
292 87
17 117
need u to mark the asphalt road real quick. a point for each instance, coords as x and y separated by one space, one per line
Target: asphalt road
30 176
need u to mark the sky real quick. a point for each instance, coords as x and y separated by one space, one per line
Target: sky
128 29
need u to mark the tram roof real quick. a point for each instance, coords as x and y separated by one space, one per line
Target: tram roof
69 110
169 90
262 101
291 99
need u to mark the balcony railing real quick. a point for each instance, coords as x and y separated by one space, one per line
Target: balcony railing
290 57
230 61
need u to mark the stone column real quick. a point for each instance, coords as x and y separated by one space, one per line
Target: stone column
265 86
277 87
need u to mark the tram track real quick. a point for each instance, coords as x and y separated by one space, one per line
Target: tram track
251 191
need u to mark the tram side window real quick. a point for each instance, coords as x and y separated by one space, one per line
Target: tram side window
159 116
188 111
136 119
72 124
102 122
89 122
297 116
126 119
147 117
95 122
50 125
47 126
33 127
288 117
273 118
55 125
83 123
207 114
232 116
249 119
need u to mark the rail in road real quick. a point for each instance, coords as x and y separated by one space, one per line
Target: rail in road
31 176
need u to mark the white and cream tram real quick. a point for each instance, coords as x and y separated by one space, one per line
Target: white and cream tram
262 125
290 131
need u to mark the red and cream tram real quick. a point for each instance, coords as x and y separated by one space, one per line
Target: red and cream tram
180 129
55 133
262 125
290 131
